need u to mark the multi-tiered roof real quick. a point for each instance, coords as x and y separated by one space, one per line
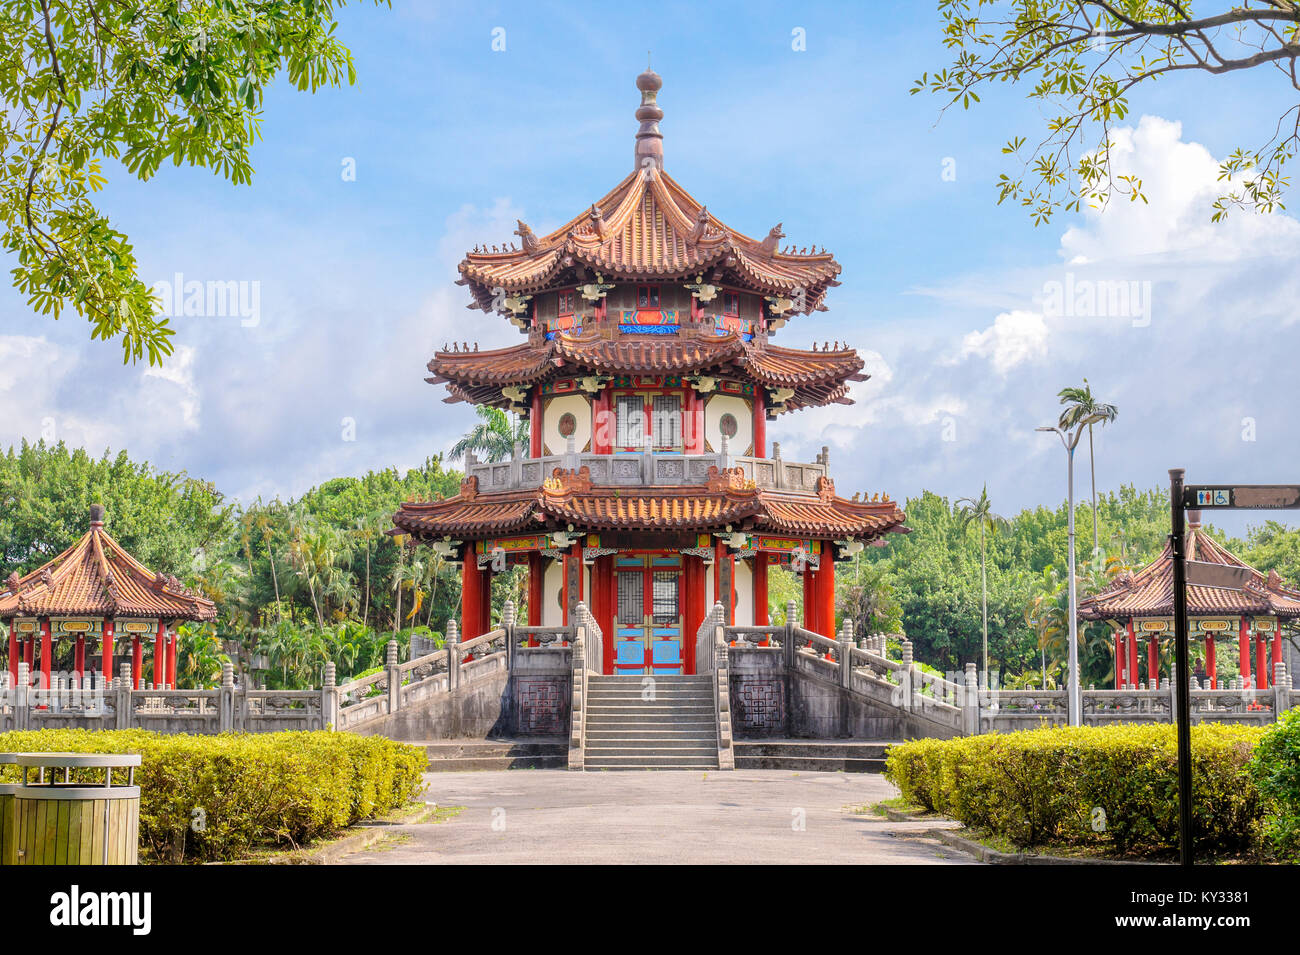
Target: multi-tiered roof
1149 592
96 577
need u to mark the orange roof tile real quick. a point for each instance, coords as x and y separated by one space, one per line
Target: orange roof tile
97 577
1149 591
571 499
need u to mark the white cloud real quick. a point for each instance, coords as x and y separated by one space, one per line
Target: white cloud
1013 338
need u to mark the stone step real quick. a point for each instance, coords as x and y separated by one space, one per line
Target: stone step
847 756
676 763
638 706
661 752
615 693
599 736
811 764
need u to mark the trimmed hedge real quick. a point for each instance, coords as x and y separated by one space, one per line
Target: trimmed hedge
1110 788
214 798
1276 769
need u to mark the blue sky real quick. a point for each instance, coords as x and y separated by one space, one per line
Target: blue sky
944 292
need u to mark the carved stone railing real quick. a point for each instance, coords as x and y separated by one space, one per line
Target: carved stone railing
721 686
588 659
647 469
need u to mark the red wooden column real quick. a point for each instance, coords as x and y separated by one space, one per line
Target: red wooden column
535 424
809 600
1243 649
1132 673
1277 646
1211 663
173 641
47 651
825 583
760 424
760 589
137 661
471 596
1153 662
602 423
1261 663
724 580
695 605
106 672
1119 660
160 656
79 659
13 653
536 574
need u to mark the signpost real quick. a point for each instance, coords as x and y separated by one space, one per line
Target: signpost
1199 573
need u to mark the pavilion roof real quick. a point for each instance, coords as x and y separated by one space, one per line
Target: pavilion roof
816 377
97 577
569 498
650 228
1148 592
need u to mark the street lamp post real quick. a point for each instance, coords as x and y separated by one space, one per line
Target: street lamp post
1074 701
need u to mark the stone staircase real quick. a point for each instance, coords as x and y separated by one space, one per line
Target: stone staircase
676 729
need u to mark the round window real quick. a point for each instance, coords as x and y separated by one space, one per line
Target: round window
727 425
568 424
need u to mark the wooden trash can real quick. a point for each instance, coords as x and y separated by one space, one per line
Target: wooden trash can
58 821
7 813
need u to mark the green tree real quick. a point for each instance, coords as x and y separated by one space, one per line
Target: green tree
1080 405
979 511
493 438
137 83
1082 58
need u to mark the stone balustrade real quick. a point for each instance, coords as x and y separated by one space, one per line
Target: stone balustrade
647 469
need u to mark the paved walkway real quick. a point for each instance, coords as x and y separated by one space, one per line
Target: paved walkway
742 817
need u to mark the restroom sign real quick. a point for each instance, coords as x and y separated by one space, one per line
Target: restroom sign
1213 497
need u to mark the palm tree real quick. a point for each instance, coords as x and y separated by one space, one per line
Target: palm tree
1080 405
980 512
494 437
1045 617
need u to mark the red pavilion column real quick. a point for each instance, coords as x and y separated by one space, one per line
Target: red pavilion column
1211 662
173 641
47 651
13 653
137 661
29 653
1243 649
106 676
1119 660
535 424
724 579
1261 663
760 589
471 596
1132 673
79 659
1153 662
1277 646
825 583
536 574
696 606
160 656
760 423
809 600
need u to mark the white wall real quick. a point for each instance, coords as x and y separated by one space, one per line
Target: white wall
740 409
554 409
552 586
744 594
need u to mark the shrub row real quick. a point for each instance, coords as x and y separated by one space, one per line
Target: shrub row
214 798
1112 788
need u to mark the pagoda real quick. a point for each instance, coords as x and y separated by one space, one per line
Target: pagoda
1139 606
94 596
647 377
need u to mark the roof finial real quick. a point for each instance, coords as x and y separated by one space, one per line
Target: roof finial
97 515
649 141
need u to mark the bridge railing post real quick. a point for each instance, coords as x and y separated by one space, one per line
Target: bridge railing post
21 691
907 676
451 644
329 698
971 702
1281 690
846 654
787 644
226 699
394 673
122 698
